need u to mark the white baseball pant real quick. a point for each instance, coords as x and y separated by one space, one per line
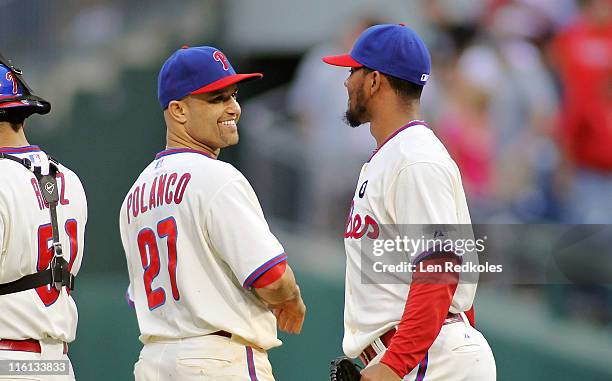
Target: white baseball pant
49 351
203 358
459 353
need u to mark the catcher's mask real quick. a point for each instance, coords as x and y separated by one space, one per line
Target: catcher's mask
17 101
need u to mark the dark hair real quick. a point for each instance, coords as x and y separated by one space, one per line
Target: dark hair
406 90
14 117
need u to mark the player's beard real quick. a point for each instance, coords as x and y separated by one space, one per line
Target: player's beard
356 110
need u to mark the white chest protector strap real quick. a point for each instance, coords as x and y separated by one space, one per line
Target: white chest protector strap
58 274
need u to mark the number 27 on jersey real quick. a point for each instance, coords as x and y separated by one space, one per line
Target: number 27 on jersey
150 259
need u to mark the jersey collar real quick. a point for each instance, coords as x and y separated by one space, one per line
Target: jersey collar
24 149
172 151
410 124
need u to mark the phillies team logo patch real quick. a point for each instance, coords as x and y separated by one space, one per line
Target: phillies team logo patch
220 57
9 77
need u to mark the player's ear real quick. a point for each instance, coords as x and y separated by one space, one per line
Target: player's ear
176 110
374 79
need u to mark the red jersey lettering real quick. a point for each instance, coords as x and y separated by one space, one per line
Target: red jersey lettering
165 190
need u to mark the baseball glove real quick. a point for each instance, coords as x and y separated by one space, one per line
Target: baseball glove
344 369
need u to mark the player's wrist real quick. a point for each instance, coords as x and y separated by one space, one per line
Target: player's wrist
291 297
390 360
296 297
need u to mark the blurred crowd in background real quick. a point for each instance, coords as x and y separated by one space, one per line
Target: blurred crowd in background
520 93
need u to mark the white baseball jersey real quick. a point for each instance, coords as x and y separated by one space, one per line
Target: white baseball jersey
196 239
25 241
410 179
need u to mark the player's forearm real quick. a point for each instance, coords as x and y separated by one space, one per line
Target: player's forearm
280 291
428 303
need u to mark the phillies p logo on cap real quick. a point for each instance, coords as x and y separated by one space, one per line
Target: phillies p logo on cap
218 56
196 70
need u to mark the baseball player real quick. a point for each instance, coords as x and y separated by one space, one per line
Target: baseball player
43 212
208 279
417 331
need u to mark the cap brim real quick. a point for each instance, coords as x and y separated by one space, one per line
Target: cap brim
227 81
36 105
13 104
344 60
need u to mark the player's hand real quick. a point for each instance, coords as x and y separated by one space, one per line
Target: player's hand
379 372
290 314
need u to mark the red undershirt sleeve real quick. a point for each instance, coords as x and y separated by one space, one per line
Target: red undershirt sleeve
271 275
431 292
429 300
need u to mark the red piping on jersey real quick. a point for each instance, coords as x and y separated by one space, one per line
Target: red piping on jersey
410 124
19 149
422 368
251 364
436 253
172 151
263 268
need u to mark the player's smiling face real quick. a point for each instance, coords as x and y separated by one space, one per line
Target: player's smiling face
213 117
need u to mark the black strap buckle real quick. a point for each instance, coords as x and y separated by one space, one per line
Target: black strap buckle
57 268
